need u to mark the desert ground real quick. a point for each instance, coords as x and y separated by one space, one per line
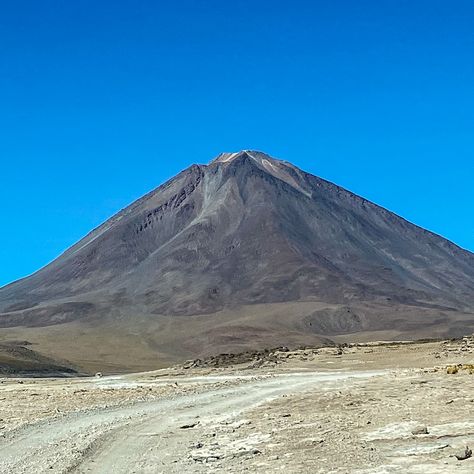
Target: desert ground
355 408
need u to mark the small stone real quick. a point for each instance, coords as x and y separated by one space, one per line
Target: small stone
189 425
466 454
420 430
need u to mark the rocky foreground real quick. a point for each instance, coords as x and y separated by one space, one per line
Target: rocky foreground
367 408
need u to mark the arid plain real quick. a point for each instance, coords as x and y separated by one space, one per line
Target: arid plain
366 408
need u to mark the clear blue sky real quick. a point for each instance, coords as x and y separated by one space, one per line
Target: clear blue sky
101 101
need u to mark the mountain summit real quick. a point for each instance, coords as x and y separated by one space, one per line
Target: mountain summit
245 252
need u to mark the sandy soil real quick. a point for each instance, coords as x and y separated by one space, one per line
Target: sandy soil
360 409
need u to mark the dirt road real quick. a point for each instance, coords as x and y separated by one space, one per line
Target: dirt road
155 436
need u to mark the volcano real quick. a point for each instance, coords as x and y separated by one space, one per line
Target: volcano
245 252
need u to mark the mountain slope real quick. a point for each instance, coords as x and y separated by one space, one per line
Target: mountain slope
195 266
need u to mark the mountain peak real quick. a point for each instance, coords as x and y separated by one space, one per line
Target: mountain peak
282 170
228 157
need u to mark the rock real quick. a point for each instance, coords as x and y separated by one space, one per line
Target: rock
238 424
466 454
189 425
246 452
206 458
419 430
313 441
